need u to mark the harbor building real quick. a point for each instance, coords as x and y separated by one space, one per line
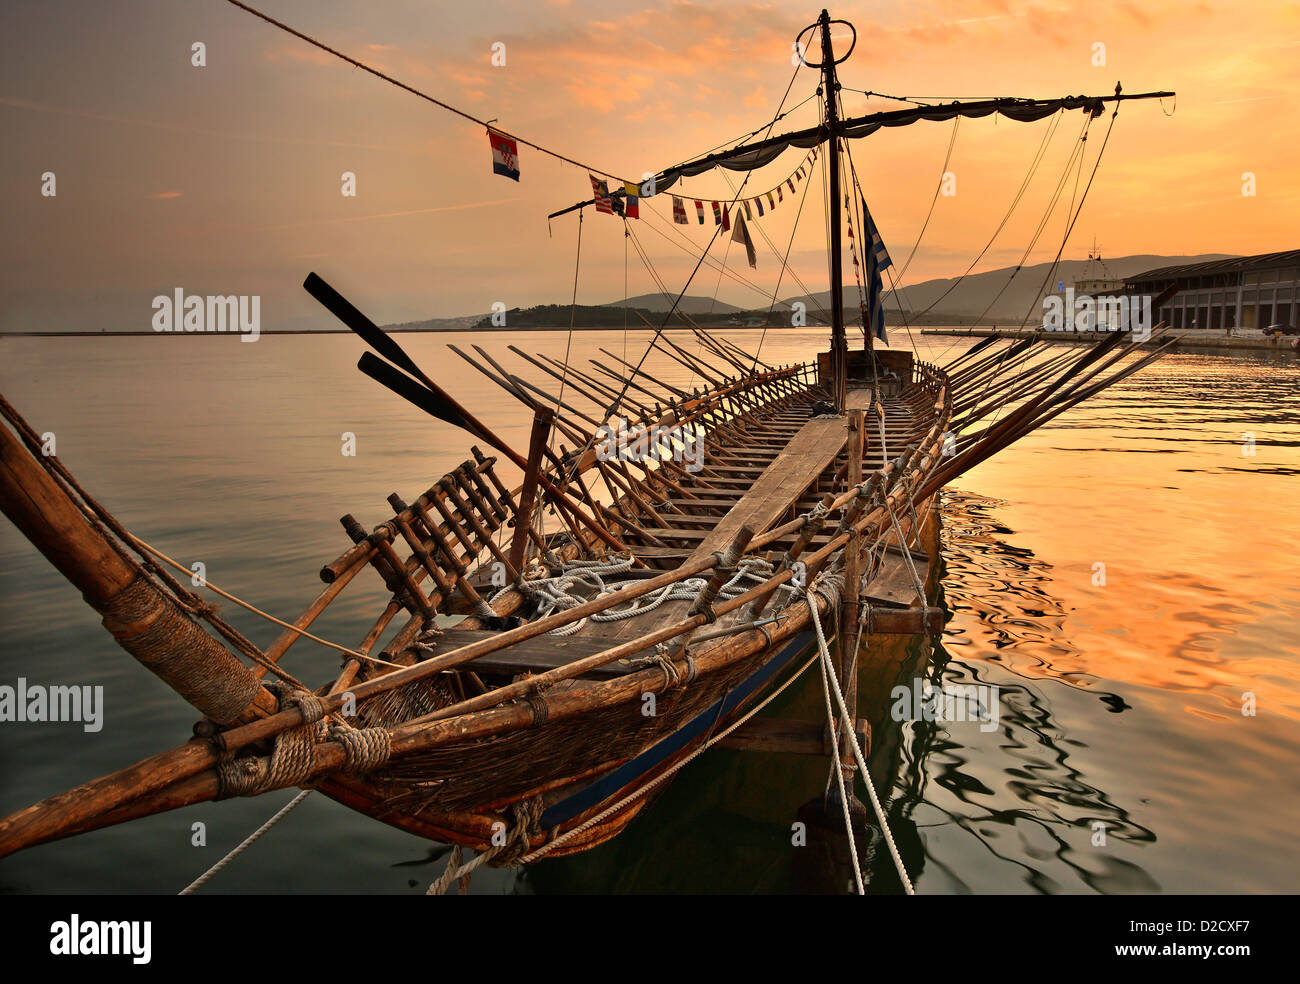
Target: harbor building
1243 295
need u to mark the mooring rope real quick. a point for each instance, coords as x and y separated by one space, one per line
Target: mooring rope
857 752
202 880
527 816
837 771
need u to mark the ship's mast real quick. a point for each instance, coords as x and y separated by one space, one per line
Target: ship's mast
839 344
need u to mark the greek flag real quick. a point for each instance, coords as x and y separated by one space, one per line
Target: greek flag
877 259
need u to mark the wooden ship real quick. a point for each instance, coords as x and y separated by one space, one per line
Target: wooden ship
552 653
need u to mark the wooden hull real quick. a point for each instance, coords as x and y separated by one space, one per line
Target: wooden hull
597 792
589 766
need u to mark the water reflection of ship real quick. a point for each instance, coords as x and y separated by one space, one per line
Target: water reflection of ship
1006 590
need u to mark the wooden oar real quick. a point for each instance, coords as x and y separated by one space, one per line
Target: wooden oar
438 402
432 398
414 392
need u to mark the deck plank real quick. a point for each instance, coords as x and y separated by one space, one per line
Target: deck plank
802 460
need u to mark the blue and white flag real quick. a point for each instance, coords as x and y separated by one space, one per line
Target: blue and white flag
874 244
877 259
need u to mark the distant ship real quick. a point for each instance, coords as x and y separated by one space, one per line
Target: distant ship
1095 281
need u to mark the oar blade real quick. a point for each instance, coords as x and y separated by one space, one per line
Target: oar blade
415 393
345 311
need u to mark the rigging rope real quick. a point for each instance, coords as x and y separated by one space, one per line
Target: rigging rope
257 611
785 265
423 95
935 200
1048 134
1064 240
536 519
673 309
1060 250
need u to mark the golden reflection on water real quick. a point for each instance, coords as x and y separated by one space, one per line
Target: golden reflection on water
1198 541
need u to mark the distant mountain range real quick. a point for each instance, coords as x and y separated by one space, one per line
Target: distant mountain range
1006 294
1001 296
689 304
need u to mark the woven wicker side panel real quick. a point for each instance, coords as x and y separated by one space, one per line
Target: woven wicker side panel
467 776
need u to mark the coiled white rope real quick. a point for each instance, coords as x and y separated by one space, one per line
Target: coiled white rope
555 593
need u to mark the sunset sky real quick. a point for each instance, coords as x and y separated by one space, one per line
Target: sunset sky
225 179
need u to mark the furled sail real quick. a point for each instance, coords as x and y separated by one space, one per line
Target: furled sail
750 157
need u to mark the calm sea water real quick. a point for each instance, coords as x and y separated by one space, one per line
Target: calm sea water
1120 704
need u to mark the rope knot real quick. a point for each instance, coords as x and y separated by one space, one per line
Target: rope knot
240 776
311 707
365 749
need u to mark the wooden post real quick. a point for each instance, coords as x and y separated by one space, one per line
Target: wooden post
849 608
541 432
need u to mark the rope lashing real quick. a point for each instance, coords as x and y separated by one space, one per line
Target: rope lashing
240 777
123 541
147 549
667 666
703 603
857 752
293 756
150 625
541 710
427 641
366 749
